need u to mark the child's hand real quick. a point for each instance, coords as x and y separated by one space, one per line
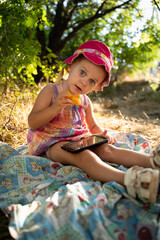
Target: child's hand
62 101
110 139
75 99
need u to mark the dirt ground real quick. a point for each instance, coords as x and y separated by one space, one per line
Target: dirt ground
131 107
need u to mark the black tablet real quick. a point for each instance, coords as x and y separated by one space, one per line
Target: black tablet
84 143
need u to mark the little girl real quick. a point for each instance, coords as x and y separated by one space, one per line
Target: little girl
55 120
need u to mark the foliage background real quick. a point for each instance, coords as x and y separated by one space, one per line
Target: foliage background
36 36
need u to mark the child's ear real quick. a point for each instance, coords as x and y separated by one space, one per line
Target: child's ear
99 87
68 68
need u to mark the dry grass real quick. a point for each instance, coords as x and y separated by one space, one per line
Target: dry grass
132 107
127 109
14 113
146 128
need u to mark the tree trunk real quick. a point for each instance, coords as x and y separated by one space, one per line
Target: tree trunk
42 40
62 18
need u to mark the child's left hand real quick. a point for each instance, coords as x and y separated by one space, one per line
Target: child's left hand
111 140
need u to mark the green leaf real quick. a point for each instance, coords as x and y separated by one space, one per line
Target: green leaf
29 22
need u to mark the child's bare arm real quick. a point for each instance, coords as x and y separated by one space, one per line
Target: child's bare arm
93 126
43 111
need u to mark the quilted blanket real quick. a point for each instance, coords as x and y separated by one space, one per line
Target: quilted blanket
47 200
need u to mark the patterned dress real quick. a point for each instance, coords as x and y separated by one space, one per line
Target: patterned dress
69 124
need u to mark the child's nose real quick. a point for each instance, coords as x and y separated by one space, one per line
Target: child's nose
84 81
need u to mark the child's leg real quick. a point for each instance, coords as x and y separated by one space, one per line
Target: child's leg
139 181
89 162
125 157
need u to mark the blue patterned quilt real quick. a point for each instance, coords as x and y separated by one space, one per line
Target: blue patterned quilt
47 200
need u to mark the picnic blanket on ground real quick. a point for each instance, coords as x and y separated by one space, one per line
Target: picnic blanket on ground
47 200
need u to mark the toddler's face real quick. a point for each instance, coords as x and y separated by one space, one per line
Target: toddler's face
84 76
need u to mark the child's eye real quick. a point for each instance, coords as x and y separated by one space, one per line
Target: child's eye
82 73
92 81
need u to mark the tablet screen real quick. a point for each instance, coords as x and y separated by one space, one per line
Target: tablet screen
82 144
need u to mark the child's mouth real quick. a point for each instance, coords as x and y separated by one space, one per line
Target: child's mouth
79 89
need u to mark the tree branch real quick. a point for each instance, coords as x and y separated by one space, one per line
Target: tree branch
94 17
63 18
156 4
100 8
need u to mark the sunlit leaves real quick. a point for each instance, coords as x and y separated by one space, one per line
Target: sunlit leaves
34 32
